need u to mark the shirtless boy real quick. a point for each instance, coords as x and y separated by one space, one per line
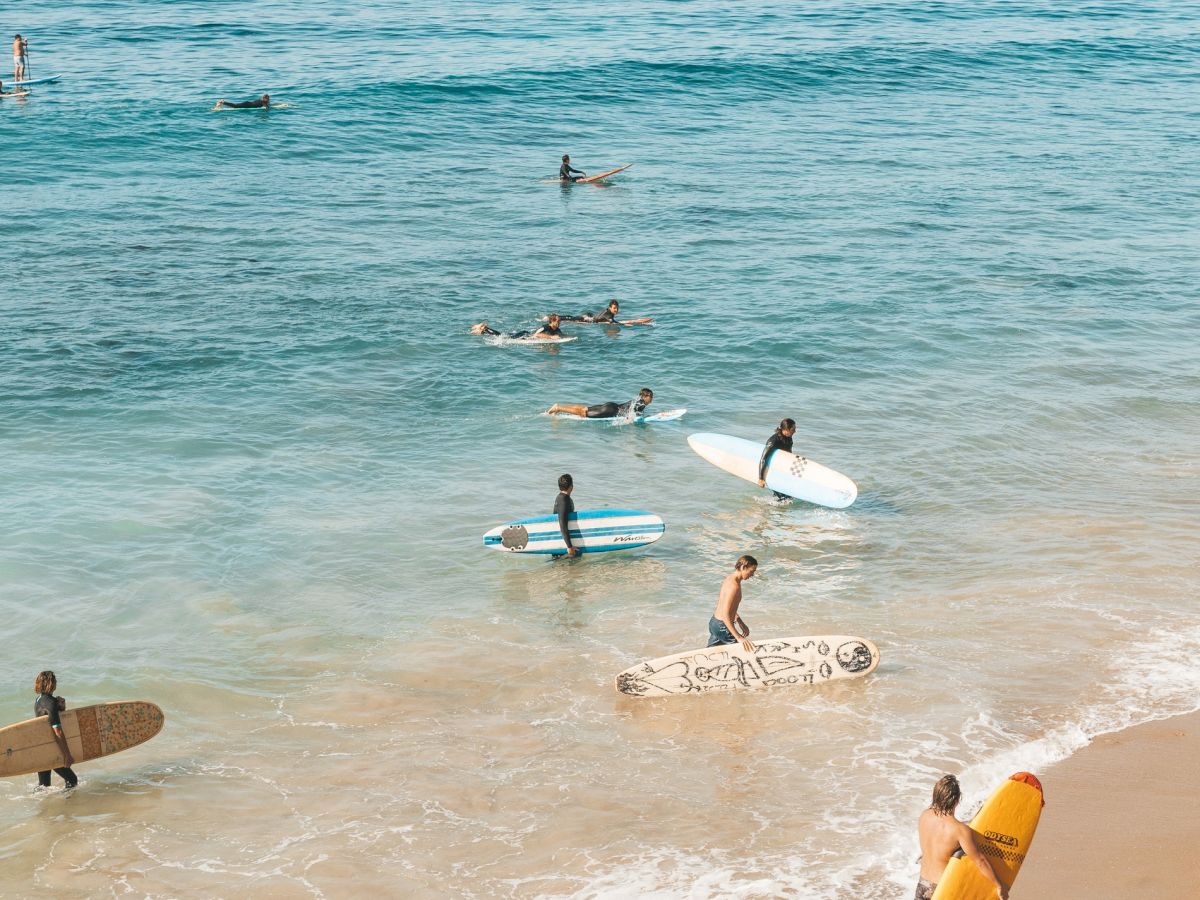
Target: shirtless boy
20 52
941 836
726 626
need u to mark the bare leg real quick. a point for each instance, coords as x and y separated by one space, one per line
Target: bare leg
573 409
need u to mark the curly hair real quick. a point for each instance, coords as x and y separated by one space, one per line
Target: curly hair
45 683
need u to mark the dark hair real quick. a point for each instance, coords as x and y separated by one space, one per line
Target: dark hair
647 391
746 562
566 156
45 683
616 301
946 794
786 424
565 482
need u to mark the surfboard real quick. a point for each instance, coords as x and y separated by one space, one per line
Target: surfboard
217 108
667 415
91 732
627 323
15 94
779 662
1004 828
594 178
500 340
796 476
592 531
32 81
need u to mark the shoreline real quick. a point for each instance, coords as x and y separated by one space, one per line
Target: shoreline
1122 817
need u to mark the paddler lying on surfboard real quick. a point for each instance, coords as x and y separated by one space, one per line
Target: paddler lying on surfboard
630 409
16 93
607 316
549 331
565 170
941 835
263 102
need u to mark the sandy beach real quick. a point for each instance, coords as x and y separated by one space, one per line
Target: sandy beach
1122 818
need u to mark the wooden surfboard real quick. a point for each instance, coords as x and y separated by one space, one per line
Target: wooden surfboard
592 178
1004 829
91 732
779 662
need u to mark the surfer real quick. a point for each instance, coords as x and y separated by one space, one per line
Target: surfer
263 102
564 508
606 316
565 170
549 331
780 440
4 93
49 705
630 409
723 627
20 57
941 837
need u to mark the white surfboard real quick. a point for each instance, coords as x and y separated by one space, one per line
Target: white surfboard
667 415
502 340
592 531
779 662
796 476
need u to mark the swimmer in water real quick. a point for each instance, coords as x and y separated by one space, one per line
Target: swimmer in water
548 332
565 170
606 316
630 409
263 102
780 440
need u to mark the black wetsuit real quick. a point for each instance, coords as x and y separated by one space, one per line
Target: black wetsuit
47 705
777 441
603 317
564 508
248 104
565 170
612 410
545 329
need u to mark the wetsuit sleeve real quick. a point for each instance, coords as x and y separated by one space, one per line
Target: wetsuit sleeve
772 446
564 506
605 316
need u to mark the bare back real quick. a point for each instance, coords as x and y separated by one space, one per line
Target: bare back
729 599
940 837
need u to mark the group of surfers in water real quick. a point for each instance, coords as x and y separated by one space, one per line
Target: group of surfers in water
552 330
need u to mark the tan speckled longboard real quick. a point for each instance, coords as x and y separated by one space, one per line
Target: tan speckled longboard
91 732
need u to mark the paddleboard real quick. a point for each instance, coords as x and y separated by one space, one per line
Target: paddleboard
592 531
32 81
594 178
780 662
667 415
91 732
1004 829
796 476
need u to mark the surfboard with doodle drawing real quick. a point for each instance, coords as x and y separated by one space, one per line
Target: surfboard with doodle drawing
778 662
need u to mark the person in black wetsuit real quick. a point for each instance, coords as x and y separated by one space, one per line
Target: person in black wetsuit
565 170
548 331
49 705
606 316
630 409
263 102
564 508
780 440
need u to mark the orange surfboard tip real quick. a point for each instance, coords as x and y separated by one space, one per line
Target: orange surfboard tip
1030 779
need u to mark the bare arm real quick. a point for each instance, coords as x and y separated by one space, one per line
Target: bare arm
727 605
971 849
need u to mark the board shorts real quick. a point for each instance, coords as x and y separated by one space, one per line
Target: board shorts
925 889
603 411
718 634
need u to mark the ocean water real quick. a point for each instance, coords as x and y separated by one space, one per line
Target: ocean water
249 448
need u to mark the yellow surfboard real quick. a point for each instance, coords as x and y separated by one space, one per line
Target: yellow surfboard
1004 829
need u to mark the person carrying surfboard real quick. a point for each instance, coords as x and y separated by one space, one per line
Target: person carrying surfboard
630 409
263 102
49 705
608 315
780 440
549 331
564 508
942 835
565 170
723 627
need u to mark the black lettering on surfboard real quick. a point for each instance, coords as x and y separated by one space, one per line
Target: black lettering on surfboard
854 656
1006 839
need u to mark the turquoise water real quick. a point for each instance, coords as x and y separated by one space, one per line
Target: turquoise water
250 448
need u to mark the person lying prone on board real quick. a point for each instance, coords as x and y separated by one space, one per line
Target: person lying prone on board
263 102
549 331
942 835
630 409
780 440
16 93
723 627
606 316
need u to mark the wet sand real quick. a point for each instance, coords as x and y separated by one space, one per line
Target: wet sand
1122 818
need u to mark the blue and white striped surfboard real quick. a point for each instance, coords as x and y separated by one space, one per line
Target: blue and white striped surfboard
592 531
